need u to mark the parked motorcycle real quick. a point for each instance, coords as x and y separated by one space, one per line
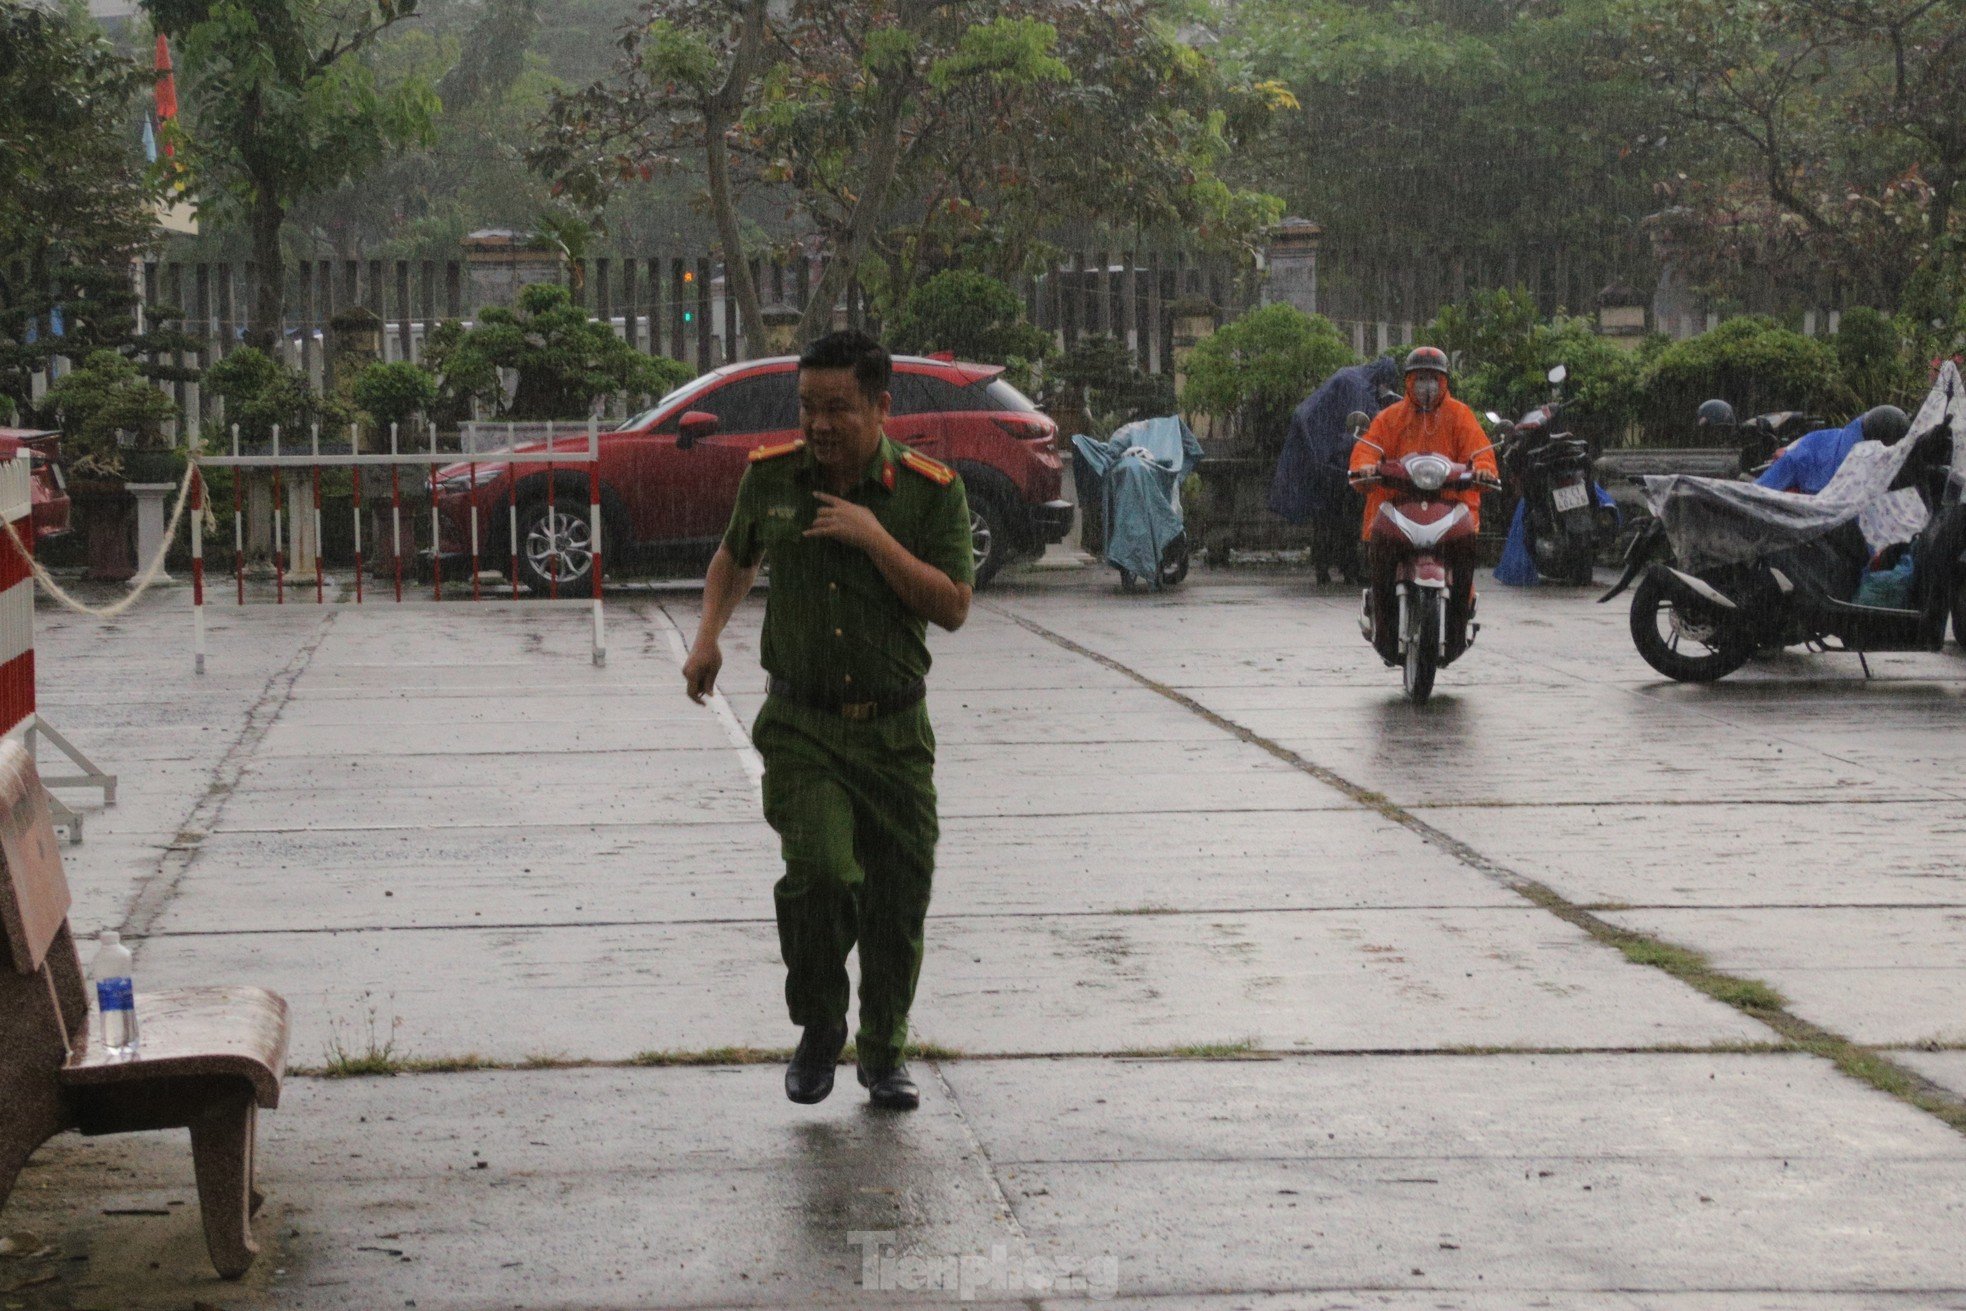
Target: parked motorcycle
1728 568
1418 526
1765 436
1548 471
1135 478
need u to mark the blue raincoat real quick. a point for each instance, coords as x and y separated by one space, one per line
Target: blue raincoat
1310 477
1140 494
1811 460
1517 567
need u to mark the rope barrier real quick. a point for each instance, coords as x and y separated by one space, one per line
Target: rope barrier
144 580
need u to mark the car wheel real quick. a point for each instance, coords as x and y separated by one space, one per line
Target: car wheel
989 536
556 548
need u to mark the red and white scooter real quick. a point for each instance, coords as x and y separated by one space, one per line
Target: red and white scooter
1418 524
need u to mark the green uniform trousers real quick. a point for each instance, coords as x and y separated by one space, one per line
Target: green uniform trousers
853 804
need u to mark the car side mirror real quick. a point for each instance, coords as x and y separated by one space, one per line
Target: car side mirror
695 426
1358 421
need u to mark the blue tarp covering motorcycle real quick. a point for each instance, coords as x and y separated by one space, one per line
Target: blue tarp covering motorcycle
1135 478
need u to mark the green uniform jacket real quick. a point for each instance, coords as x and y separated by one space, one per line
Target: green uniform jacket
833 627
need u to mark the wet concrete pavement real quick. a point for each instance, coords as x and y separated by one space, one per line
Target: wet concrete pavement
1238 996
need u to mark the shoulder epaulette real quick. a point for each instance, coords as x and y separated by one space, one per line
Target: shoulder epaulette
773 452
939 474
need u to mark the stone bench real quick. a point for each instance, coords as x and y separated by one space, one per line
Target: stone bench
209 1059
1704 461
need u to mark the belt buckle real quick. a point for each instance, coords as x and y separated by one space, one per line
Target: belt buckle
858 710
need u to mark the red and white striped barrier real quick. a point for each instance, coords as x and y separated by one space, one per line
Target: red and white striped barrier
309 465
17 598
20 717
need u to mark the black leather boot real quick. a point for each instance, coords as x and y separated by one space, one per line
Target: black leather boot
893 1090
809 1078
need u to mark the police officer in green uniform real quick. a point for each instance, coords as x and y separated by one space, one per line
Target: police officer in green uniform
869 542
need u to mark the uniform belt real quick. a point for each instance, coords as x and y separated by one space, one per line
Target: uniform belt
833 705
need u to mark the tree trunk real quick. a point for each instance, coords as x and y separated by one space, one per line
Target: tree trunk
723 204
265 319
851 244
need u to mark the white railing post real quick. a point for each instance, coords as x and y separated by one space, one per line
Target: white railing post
594 534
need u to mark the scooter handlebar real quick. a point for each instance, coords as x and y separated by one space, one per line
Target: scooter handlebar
1460 477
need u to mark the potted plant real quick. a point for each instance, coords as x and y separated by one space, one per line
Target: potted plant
260 393
562 361
112 420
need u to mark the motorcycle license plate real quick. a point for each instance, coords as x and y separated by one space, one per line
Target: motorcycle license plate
1574 497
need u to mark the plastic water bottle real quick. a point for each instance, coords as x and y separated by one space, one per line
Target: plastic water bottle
115 994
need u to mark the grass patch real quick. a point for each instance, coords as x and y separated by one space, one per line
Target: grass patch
713 1056
1776 1047
368 1065
1761 1002
367 1054
1887 1076
1246 1050
1693 967
933 1051
383 1064
448 1064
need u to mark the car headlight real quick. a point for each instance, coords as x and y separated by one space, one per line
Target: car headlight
1427 472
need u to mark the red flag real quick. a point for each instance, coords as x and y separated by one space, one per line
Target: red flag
166 89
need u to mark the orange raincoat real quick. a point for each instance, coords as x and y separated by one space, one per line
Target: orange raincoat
1404 429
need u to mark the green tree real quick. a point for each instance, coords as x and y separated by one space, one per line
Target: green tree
99 403
1097 386
1503 350
493 84
1447 144
77 201
1826 136
393 393
285 105
261 392
564 361
972 315
903 131
1255 371
1752 362
1875 357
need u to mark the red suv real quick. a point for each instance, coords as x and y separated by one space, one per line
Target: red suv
669 475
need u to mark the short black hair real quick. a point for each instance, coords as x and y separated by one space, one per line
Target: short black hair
872 366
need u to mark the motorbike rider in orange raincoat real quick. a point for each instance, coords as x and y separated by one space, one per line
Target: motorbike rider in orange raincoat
1428 422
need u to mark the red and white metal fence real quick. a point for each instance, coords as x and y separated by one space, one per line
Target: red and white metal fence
308 465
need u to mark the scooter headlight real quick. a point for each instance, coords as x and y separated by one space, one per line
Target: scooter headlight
1427 472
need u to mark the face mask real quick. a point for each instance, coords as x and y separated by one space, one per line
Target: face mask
1426 392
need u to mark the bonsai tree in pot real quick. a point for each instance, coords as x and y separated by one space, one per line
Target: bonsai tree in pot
112 420
260 393
107 410
394 393
563 360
